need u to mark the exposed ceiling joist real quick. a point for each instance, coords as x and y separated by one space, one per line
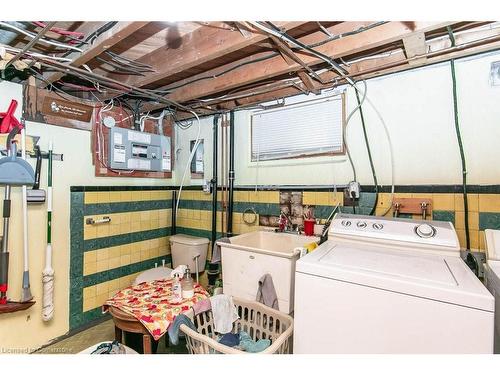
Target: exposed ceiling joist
276 66
104 42
414 46
392 63
290 57
198 48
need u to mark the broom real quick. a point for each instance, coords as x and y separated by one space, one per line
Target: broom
26 291
48 272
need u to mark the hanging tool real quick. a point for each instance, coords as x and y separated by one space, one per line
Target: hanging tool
35 194
8 121
26 292
48 272
13 171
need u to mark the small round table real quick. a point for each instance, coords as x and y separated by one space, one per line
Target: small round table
127 323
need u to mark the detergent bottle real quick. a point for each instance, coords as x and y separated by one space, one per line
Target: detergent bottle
187 285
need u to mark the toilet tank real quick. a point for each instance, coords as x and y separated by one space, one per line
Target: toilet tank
184 247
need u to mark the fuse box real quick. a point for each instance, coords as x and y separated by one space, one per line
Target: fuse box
134 150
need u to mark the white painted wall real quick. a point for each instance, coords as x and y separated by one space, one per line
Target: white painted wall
417 107
26 330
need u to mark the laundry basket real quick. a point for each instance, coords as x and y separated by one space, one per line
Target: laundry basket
258 320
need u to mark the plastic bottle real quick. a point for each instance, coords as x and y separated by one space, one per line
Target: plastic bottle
187 285
176 290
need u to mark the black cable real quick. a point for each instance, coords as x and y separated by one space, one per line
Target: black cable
375 182
460 144
470 259
92 37
349 33
274 54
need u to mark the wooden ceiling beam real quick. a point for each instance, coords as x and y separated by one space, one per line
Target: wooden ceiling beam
384 65
103 42
268 69
198 47
290 57
415 45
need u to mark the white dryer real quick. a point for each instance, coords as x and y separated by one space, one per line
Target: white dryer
492 276
383 285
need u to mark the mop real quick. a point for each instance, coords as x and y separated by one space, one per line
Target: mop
48 272
26 293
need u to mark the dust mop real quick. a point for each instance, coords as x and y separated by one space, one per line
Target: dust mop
26 293
48 272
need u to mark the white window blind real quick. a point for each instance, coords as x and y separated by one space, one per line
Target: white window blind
303 129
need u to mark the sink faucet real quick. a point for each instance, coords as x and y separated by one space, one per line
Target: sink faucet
287 224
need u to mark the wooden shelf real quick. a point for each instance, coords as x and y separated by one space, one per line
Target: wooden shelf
11 307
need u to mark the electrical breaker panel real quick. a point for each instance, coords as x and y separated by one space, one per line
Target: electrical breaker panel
133 150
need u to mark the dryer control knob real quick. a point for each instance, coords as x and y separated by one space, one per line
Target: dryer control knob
346 223
425 230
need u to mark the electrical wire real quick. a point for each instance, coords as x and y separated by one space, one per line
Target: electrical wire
368 150
41 40
460 143
344 134
34 54
287 38
188 164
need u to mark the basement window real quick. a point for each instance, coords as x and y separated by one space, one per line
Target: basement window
312 128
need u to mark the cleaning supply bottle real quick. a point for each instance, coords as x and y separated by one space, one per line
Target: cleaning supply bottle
187 285
176 290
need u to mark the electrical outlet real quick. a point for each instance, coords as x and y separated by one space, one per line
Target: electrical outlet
353 189
348 200
207 186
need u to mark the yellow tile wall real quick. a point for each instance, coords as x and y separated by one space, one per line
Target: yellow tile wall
96 295
123 255
127 222
93 197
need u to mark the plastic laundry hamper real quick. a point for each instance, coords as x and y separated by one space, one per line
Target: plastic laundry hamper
257 319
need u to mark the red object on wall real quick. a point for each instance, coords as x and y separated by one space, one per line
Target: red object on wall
7 119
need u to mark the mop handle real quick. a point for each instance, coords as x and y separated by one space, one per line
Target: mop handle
48 260
25 201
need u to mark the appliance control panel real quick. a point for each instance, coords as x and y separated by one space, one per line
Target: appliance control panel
395 230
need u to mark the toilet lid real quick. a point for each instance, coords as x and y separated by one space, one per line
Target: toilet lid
186 239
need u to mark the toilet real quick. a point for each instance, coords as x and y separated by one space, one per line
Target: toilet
184 248
492 277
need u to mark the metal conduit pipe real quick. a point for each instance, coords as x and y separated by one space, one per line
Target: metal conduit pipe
231 176
214 180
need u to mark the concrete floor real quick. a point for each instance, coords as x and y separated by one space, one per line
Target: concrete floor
105 331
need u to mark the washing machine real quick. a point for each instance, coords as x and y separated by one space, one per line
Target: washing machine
492 277
384 285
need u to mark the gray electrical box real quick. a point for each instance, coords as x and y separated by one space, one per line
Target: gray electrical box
133 150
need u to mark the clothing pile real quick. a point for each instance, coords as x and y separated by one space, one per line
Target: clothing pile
224 314
110 348
243 341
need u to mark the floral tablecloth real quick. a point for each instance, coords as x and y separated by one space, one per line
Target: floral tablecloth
151 303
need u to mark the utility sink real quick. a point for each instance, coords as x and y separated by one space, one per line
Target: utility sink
252 255
272 243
